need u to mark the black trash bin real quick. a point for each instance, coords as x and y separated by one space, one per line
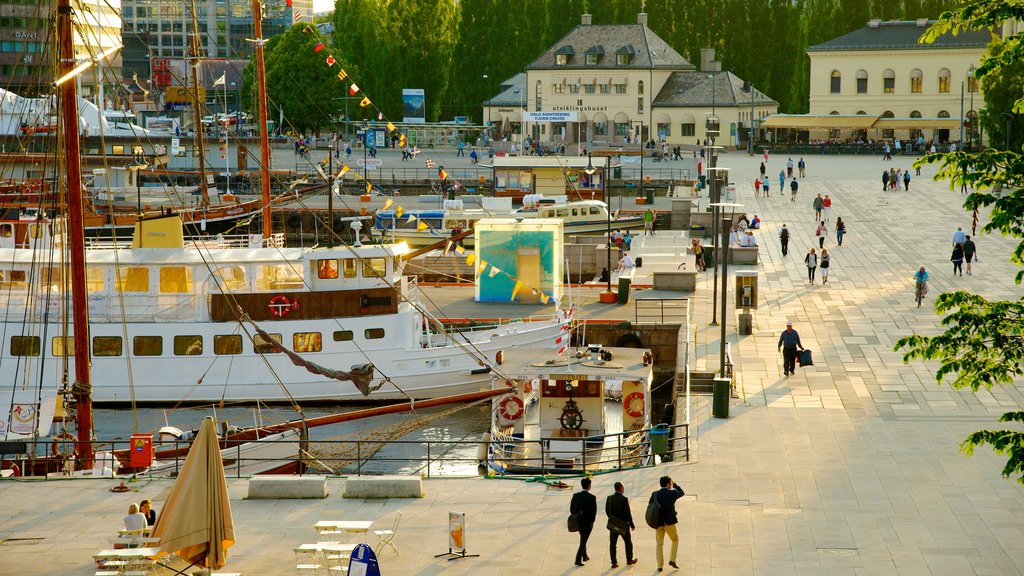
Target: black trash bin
649 196
720 397
709 256
624 284
617 172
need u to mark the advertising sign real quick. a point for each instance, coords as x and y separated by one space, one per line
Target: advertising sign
457 532
552 116
175 146
370 163
363 562
414 106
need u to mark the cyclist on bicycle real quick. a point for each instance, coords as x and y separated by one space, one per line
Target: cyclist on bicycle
921 281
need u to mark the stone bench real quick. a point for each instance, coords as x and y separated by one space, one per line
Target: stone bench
678 280
384 487
287 487
743 255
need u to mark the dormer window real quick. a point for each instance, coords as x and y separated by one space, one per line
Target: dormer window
624 55
592 57
561 59
563 55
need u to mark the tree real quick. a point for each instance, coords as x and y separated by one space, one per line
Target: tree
1001 89
983 341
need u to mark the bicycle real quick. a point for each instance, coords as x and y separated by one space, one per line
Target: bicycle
920 290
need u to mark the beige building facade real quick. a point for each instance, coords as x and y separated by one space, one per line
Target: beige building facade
881 70
606 85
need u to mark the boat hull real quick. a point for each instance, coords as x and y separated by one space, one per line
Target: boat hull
428 237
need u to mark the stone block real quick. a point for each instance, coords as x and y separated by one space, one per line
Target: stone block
681 280
384 487
743 255
287 487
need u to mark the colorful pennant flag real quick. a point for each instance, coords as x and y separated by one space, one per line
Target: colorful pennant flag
380 116
544 298
353 89
344 170
494 272
288 3
342 75
308 29
369 187
411 218
429 163
516 289
391 127
297 16
421 226
364 102
399 211
562 339
459 250
319 46
330 61
481 268
470 259
387 203
442 174
401 141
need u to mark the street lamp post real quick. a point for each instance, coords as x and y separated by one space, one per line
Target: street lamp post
961 115
591 170
136 165
488 131
725 275
750 139
972 85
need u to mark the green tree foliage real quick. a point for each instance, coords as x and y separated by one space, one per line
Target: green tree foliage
1002 89
983 341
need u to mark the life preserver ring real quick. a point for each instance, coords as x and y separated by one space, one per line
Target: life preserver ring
12 466
57 441
281 306
511 408
628 401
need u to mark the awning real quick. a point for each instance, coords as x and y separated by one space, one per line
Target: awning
916 123
808 121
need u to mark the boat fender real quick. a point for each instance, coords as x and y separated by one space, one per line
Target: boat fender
120 488
511 408
630 400
499 357
63 439
12 466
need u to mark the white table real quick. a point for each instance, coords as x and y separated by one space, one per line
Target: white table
352 526
127 554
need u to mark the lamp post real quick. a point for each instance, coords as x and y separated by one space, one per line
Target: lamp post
961 115
591 170
488 131
725 273
711 131
750 139
972 84
136 165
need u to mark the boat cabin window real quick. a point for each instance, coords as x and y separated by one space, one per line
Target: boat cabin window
549 214
188 345
133 280
563 212
373 333
574 212
106 346
175 280
50 278
227 344
278 276
595 210
148 345
349 267
327 268
35 231
232 278
374 267
61 344
117 149
6 230
94 279
263 346
307 342
342 335
12 279
580 389
25 345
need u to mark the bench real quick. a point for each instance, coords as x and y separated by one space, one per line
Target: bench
287 487
384 487
678 280
743 254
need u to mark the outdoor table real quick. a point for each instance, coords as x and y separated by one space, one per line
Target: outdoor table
127 553
353 526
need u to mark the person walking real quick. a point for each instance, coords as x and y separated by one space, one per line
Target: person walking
757 187
619 516
959 237
698 252
821 232
762 169
826 206
885 180
793 187
784 239
764 186
789 341
802 167
811 259
819 204
825 262
789 167
667 520
462 148
906 181
970 251
648 222
585 505
957 259
782 179
840 231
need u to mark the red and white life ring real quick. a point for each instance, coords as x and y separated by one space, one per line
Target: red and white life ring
12 466
628 402
511 408
281 306
60 439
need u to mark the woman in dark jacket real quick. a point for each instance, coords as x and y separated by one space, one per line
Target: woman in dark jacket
957 259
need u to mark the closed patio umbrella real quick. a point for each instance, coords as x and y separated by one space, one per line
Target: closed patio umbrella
196 520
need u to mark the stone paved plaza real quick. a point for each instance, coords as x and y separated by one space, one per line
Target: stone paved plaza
850 467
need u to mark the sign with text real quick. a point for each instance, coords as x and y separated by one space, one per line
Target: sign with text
552 116
370 163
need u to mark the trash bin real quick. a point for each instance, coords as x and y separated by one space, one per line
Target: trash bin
650 195
617 172
709 256
659 439
624 289
720 397
703 181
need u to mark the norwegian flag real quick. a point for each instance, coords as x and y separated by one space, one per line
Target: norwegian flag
430 163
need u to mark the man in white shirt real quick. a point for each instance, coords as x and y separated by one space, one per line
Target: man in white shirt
626 262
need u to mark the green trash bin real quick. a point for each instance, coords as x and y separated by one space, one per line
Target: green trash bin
624 284
720 397
709 256
703 181
650 196
617 172
659 439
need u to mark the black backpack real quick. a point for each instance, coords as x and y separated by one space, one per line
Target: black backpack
784 234
653 514
639 262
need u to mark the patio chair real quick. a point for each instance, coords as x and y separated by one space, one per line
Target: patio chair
307 562
386 537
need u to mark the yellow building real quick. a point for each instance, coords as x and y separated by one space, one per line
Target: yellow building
604 85
881 71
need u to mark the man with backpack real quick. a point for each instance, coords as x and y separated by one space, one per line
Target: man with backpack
784 239
661 515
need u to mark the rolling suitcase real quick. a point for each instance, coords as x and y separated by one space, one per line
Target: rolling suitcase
804 358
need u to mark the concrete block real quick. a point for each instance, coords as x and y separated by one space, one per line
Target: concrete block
681 280
384 487
287 487
743 255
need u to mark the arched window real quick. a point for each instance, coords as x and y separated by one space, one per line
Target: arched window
837 82
943 114
916 133
944 81
862 82
888 133
889 82
915 114
834 113
861 113
538 92
916 81
640 87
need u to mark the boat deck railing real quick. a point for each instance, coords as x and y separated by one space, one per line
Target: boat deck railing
221 241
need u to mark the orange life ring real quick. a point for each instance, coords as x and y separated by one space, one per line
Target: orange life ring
511 408
280 305
528 387
12 466
627 402
55 445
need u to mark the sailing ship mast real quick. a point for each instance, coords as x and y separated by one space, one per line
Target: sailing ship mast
197 112
261 93
68 95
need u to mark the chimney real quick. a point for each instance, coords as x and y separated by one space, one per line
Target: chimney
708 62
641 19
874 22
586 20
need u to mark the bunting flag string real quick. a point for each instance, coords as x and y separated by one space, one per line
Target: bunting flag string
319 46
342 75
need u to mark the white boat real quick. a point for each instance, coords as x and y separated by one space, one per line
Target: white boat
268 454
174 312
578 217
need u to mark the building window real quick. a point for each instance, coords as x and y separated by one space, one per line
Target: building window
373 333
620 88
117 150
227 344
916 81
664 130
538 92
944 81
622 59
574 88
342 335
591 59
307 342
561 59
688 129
606 88
25 345
862 82
327 268
188 345
558 88
889 82
61 344
888 133
589 88
106 346
837 82
264 346
600 128
640 87
622 129
972 84
148 345
640 105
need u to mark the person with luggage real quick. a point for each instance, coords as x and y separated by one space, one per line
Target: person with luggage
620 523
666 520
784 239
584 506
789 342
